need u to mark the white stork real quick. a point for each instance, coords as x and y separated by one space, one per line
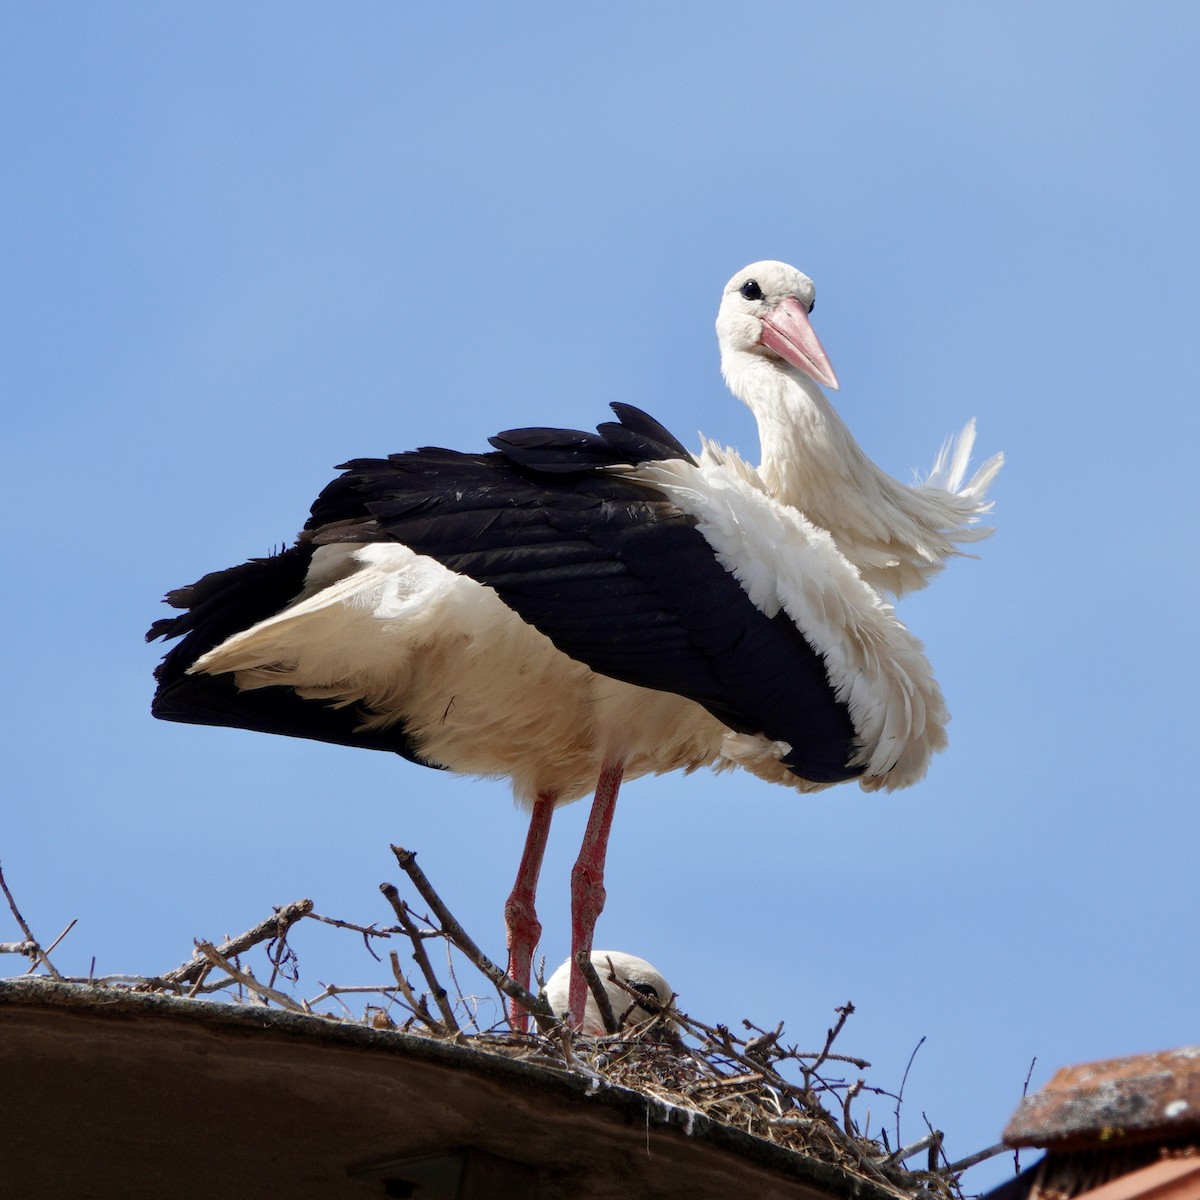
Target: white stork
573 608
635 972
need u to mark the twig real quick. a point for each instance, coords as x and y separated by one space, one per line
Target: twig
367 931
646 1000
275 926
583 960
856 1087
730 1081
94 980
29 948
845 1011
1024 1093
538 1006
337 989
820 1056
214 956
903 1081
198 982
419 956
935 1149
418 1007
1028 1077
766 1046
975 1159
331 993
38 952
471 1008
71 925
932 1139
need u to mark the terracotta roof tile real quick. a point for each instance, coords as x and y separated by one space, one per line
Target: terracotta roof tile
1142 1096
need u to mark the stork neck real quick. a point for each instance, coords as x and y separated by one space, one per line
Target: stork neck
805 444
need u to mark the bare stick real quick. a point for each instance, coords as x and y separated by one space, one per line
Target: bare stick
214 956
1024 1093
367 931
903 1081
103 979
198 982
650 1003
821 1056
843 1012
583 960
470 1005
933 1140
975 1159
71 925
419 956
760 1047
1028 1077
274 926
364 989
38 952
418 1007
854 1089
935 1149
332 994
537 1005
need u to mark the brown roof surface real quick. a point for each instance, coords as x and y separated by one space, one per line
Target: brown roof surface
1144 1096
1169 1179
109 1093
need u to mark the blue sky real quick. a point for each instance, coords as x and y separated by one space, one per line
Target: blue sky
244 243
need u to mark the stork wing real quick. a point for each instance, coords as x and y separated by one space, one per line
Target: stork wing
612 572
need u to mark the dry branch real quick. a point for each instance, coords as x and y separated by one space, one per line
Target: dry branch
973 1160
931 1140
275 926
537 1006
419 956
583 960
367 931
247 980
417 1007
37 951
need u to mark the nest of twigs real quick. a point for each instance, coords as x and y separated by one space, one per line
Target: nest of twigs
750 1080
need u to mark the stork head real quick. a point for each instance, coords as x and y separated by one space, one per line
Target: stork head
765 310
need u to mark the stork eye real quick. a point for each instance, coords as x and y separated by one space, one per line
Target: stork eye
811 305
647 990
750 290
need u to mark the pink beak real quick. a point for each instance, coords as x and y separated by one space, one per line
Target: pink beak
787 331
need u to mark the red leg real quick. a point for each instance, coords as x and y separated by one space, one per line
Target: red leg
520 916
587 881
